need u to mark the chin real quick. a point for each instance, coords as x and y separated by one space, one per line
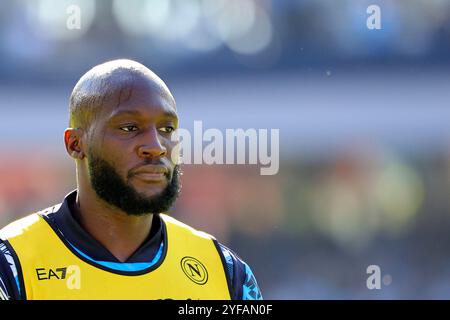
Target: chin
151 191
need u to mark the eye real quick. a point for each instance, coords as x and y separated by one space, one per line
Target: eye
167 129
129 128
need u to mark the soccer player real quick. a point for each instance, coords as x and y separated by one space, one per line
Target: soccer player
110 238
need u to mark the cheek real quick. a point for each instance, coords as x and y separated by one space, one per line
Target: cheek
173 151
174 154
118 157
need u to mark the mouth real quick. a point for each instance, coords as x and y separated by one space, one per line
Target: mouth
151 173
151 177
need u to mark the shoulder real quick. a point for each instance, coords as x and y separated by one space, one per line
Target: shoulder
26 229
179 226
27 224
243 282
18 227
19 232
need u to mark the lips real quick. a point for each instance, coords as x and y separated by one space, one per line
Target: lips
151 173
151 176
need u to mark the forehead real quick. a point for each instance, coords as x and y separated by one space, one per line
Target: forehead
143 100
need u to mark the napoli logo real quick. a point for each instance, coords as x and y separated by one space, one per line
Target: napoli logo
194 270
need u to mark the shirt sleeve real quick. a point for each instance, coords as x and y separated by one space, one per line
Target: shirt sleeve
243 282
9 285
4 294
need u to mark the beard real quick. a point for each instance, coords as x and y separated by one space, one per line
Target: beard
110 187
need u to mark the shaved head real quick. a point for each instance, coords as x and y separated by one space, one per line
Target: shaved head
122 123
110 83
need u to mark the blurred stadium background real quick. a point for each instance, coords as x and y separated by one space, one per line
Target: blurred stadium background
364 121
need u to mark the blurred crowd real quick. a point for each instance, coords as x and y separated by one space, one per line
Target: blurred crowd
179 36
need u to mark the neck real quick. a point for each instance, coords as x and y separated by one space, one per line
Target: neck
120 233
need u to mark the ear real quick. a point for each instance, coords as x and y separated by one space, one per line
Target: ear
73 139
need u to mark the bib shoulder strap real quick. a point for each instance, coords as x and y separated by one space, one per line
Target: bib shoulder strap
173 225
23 227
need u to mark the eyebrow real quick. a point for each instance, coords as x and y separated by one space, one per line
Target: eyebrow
169 114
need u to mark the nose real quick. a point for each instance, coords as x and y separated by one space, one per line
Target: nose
151 147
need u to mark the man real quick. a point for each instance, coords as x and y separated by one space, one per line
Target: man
109 239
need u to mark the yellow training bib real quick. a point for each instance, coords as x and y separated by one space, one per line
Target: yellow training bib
191 266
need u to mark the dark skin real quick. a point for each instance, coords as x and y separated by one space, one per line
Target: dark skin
132 131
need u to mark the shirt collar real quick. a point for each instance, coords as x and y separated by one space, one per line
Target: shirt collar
64 220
